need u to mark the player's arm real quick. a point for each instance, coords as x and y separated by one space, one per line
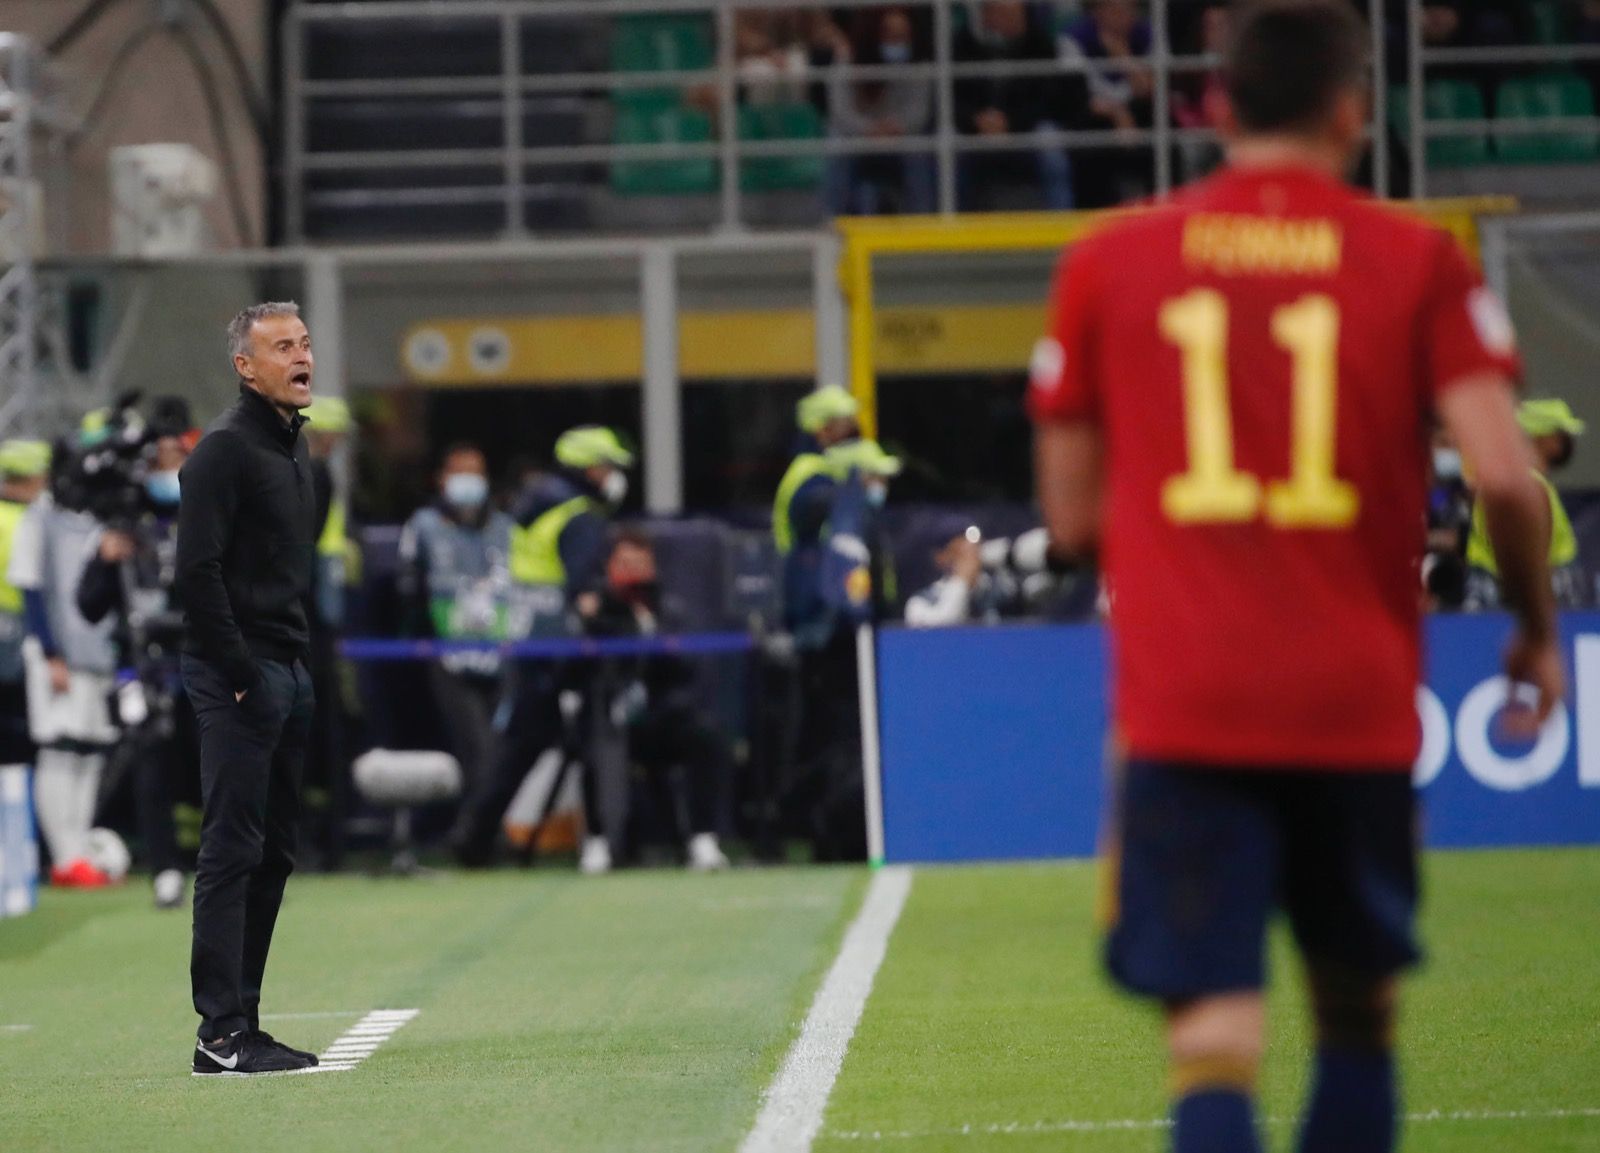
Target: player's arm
1069 463
1064 401
1471 361
1479 413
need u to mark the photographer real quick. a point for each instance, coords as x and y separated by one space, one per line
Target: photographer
129 580
987 581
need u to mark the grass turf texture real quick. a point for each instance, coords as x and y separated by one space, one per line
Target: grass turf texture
648 1011
990 1013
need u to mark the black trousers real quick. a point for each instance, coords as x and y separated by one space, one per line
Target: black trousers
161 758
534 726
252 759
675 736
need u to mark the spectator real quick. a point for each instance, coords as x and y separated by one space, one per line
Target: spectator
826 44
999 31
770 59
1199 100
882 110
1114 41
455 557
649 705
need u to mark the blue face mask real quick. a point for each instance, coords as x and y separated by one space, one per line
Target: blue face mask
895 53
466 490
162 487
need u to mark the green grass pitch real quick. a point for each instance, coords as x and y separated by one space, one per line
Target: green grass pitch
648 1011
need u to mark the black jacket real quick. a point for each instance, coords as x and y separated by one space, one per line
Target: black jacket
247 529
1027 101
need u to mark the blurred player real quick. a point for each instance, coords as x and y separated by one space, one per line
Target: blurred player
1240 385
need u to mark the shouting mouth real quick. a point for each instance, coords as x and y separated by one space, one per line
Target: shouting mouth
301 379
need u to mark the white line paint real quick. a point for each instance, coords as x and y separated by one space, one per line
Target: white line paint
791 1113
15 1028
1029 1128
361 1040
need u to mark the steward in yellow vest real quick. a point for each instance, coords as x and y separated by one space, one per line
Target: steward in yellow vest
1553 428
23 465
558 554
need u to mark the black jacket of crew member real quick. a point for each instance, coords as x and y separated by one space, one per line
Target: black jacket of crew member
247 540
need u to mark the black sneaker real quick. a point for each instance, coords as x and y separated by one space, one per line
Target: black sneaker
240 1054
262 1037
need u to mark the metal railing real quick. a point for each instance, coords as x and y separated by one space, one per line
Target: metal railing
513 87
1420 58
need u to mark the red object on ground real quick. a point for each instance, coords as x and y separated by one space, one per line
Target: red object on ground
79 874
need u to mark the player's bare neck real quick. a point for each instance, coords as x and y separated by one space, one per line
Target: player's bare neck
1261 152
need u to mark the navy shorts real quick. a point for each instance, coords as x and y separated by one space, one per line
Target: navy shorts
1203 856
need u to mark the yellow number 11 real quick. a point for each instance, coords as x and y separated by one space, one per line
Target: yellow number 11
1214 490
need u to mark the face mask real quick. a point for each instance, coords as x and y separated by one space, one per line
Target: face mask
162 487
466 490
895 53
1446 464
615 487
877 494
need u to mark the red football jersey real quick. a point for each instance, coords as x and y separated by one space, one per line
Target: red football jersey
1263 356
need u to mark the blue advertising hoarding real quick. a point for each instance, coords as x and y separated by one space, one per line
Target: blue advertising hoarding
993 742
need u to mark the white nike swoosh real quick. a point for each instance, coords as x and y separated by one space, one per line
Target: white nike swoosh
228 1064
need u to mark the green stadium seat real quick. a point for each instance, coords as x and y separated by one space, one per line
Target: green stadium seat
1444 99
651 118
1551 95
780 122
662 44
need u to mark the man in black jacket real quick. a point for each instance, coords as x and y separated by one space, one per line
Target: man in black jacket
246 539
995 106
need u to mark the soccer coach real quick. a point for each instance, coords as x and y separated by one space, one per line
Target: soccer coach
246 542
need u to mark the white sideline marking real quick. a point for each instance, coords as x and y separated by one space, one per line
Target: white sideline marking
791 1113
361 1040
1008 1128
15 1028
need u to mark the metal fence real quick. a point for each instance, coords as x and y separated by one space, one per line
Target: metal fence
520 82
1425 66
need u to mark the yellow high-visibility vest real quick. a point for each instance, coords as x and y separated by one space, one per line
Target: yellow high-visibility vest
536 548
1563 541
802 469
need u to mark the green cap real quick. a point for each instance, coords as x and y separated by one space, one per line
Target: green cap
24 458
1542 417
589 445
328 414
864 456
830 402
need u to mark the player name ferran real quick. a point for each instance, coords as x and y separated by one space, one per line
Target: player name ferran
1240 245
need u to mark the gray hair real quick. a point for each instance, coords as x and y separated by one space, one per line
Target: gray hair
239 327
